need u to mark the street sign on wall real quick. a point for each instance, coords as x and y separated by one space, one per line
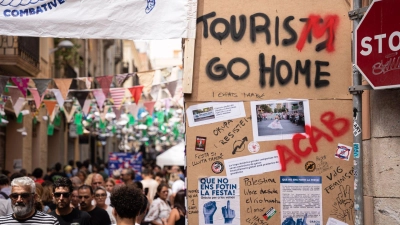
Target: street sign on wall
378 43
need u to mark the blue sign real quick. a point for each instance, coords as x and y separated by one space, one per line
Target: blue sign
121 160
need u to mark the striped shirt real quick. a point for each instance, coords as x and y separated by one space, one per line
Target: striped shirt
38 218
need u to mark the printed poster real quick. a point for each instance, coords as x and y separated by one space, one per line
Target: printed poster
301 200
219 200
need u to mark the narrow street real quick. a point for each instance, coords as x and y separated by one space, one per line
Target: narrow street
288 128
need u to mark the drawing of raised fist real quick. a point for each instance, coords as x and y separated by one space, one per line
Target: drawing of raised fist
208 210
228 213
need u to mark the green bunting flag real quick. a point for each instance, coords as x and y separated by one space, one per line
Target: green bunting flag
20 118
50 129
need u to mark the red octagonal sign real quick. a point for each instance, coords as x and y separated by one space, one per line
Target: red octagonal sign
378 44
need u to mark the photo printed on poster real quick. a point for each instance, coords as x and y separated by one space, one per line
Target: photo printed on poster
219 200
279 119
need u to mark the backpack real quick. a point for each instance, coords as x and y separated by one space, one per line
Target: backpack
4 195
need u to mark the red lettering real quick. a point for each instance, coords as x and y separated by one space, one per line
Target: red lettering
318 30
328 119
282 150
315 134
296 145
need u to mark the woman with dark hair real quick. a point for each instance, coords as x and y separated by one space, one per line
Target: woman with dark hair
160 208
178 213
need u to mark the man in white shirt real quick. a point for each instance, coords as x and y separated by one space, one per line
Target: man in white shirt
150 183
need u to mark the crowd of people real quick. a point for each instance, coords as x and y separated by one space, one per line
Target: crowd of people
86 194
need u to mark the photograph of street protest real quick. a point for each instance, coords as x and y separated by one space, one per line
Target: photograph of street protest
203 114
279 119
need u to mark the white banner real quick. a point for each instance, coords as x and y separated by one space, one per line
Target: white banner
114 19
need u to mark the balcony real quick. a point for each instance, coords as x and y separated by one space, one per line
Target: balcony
19 56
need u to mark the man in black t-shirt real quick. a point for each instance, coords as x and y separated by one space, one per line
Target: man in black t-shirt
65 214
98 216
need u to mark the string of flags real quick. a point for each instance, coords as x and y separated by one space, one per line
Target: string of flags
107 109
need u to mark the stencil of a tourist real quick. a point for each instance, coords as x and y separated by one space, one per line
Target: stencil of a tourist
275 124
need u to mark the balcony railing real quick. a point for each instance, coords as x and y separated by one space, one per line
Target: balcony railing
20 55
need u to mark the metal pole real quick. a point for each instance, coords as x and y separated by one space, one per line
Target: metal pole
357 116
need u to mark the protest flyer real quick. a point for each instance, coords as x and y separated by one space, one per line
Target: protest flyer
301 200
219 200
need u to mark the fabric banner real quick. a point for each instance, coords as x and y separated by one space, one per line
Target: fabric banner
117 112
118 95
171 86
86 106
105 83
146 79
136 93
134 109
36 97
100 98
155 91
14 93
18 105
50 105
80 96
22 84
63 85
117 19
59 98
3 83
69 110
55 111
41 85
149 107
121 78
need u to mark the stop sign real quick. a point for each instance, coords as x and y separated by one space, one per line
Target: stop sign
377 46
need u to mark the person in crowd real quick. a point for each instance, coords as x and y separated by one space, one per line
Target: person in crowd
39 192
75 198
159 208
116 175
98 181
177 185
128 202
57 173
49 171
110 184
143 211
7 173
160 178
150 183
88 180
23 195
15 175
100 196
76 182
64 213
23 172
5 207
98 216
5 189
47 197
38 174
178 213
128 175
157 169
104 169
68 171
82 176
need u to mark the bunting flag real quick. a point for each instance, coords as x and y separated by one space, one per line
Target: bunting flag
22 84
86 106
167 104
87 80
80 96
50 104
18 105
59 98
36 97
166 72
69 110
171 86
41 85
105 111
136 93
134 109
100 98
63 85
54 113
14 93
155 91
118 95
105 83
149 107
121 78
3 83
146 79
117 112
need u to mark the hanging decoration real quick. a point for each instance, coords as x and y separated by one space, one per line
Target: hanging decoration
105 83
41 85
22 84
63 85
